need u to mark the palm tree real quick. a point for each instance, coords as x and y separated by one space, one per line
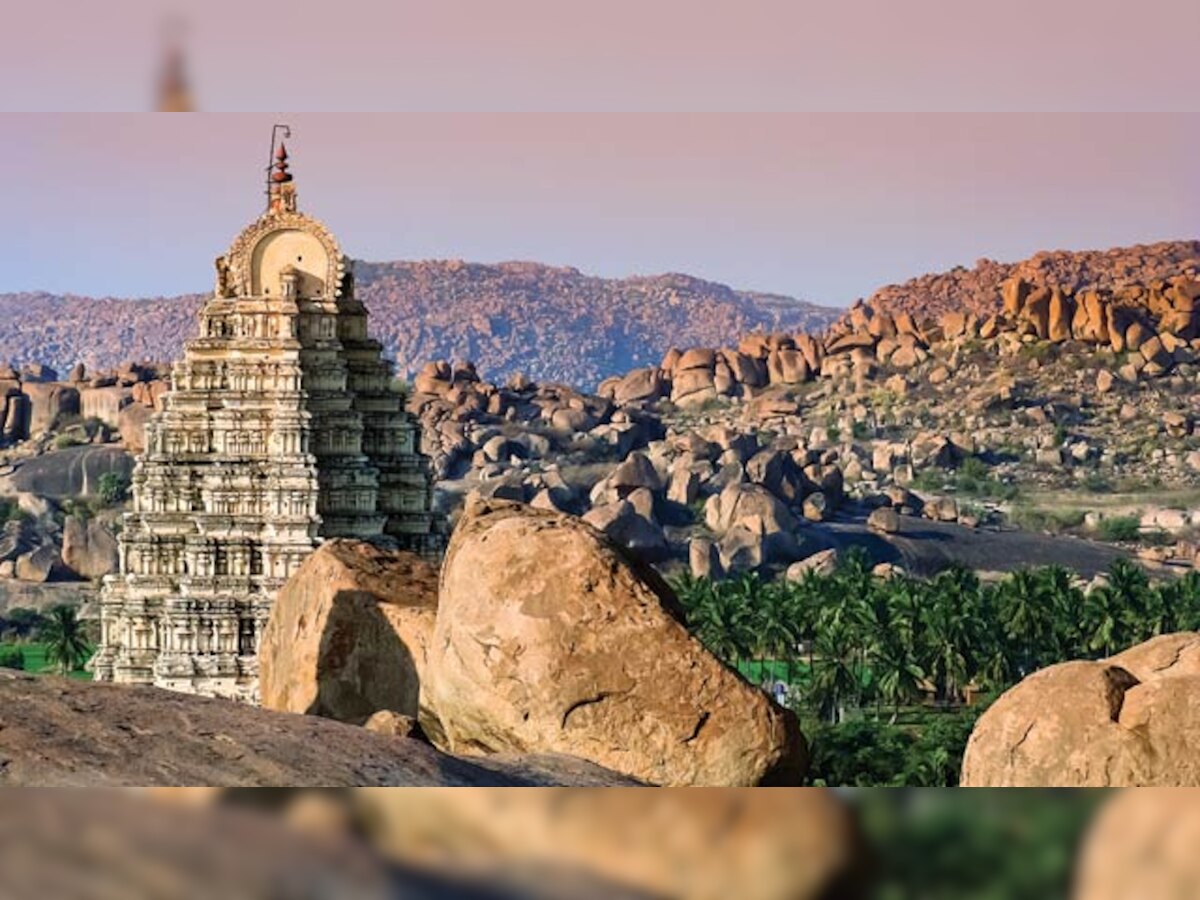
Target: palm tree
718 620
897 673
1102 615
834 682
775 626
1027 616
951 642
66 642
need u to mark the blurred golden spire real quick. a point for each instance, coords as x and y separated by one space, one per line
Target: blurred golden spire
174 93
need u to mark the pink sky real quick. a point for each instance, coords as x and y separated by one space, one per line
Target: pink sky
823 206
616 55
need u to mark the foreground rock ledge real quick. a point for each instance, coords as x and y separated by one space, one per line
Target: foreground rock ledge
57 732
549 638
1130 720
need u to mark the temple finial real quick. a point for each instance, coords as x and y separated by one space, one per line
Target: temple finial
281 187
174 93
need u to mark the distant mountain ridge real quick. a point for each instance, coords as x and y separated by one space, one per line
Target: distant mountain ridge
553 323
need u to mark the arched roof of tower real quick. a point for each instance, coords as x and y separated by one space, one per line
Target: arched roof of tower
240 256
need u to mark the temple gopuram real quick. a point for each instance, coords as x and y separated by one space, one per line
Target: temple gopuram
282 428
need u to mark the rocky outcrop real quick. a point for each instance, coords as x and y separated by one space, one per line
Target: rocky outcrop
73 472
993 287
40 565
549 639
89 549
64 733
1129 720
349 634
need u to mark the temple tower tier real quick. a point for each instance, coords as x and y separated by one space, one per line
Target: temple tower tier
281 429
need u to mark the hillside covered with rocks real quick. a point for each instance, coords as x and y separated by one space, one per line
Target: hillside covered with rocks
977 290
553 323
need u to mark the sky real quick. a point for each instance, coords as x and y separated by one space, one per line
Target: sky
825 207
614 55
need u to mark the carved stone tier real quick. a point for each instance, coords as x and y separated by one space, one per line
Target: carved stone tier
281 428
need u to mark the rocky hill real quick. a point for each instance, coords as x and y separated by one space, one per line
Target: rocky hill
977 290
556 324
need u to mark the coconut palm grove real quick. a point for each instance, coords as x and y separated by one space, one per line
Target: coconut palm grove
889 674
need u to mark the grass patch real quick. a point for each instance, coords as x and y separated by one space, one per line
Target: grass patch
32 657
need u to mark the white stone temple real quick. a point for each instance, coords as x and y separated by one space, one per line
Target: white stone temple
281 428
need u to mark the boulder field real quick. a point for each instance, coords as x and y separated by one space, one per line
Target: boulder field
1129 720
547 639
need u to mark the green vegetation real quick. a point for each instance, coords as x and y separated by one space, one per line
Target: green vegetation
896 663
63 441
1050 521
996 845
971 479
67 646
54 642
113 488
11 657
1097 483
861 431
1119 528
10 511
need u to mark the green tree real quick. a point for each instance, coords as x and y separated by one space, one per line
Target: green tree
834 684
66 641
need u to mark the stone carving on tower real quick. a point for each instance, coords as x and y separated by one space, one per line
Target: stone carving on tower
281 429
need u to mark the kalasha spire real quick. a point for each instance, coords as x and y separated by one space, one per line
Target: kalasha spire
281 188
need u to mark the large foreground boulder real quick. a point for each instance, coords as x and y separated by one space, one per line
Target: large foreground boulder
349 633
1142 844
674 842
57 732
550 639
1130 720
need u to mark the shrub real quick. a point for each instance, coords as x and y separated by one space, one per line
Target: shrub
1097 483
113 488
63 441
1050 521
861 431
1119 528
12 658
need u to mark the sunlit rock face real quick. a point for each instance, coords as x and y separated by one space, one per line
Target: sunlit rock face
281 429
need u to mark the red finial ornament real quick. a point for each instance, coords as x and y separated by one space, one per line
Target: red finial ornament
281 174
281 190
